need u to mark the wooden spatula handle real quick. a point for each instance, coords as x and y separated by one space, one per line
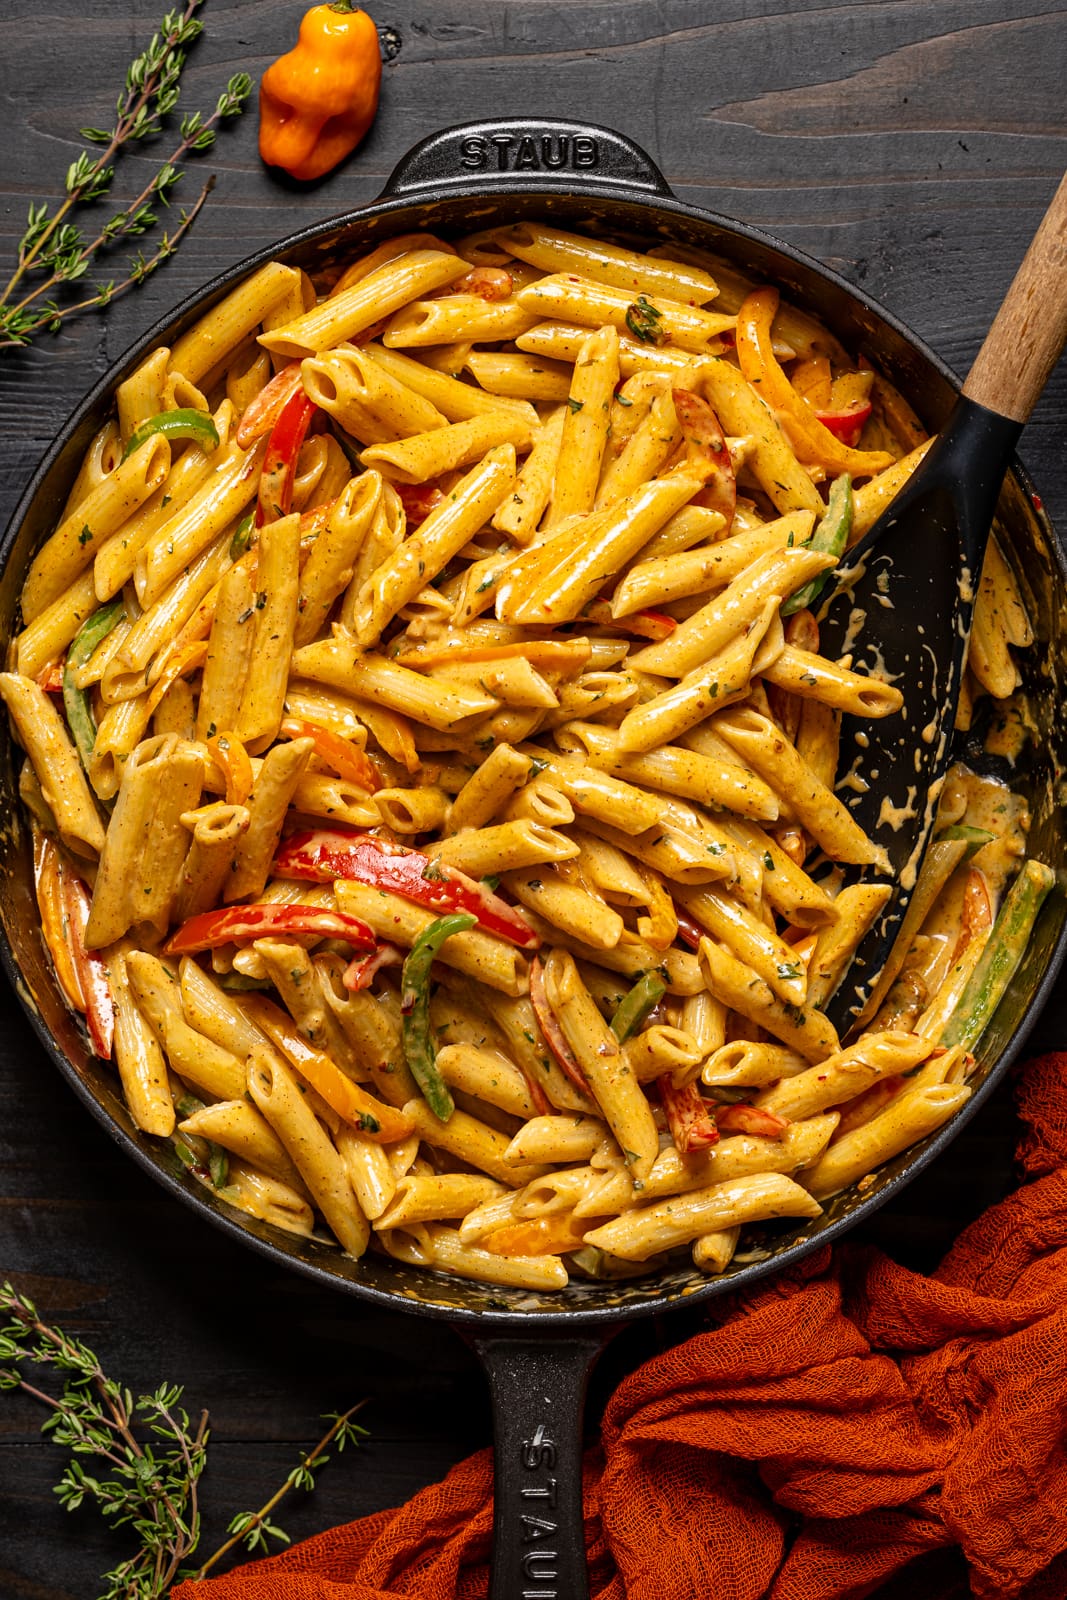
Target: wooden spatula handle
1030 328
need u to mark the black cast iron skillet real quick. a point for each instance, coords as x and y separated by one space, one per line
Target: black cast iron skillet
538 1348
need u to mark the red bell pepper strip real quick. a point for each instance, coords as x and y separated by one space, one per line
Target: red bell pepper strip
689 1116
549 1025
279 463
654 625
750 1119
846 425
346 758
262 413
703 433
91 970
362 970
688 930
244 924
418 500
326 855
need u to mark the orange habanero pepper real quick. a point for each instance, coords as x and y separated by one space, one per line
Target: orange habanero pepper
317 102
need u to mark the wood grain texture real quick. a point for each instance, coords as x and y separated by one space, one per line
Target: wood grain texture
913 147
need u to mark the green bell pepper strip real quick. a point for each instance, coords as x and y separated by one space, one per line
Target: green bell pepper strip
415 1006
76 702
1002 954
635 1006
185 423
830 535
974 838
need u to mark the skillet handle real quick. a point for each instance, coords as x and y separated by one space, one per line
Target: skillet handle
538 1391
512 151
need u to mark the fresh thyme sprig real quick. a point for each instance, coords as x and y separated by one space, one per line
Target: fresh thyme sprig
55 247
145 1480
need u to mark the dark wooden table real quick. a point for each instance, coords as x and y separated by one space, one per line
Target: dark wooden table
914 147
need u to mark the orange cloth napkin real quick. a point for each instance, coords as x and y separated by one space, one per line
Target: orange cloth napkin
843 1420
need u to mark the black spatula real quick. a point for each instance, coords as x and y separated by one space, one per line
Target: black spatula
904 595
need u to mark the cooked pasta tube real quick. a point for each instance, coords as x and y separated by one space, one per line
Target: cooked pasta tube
488 1075
140 657
263 698
573 298
668 1223
247 376
372 1033
857 906
210 510
737 986
830 823
470 1140
517 1021
679 771
520 376
677 856
600 1056
290 969
742 1154
488 789
283 766
872 497
475 954
356 309
493 1213
216 830
330 567
221 330
349 378
441 536
659 1049
230 650
277 1095
369 1171
55 762
455 316
599 795
742 411
567 906
449 1254
211 1011
750 940
540 802
265 1197
551 583
720 680
788 888
103 456
239 1128
458 444
120 729
554 250
557 1139
649 446
144 850
665 578
412 810
481 851
320 794
65 556
808 675
911 1116
339 664
455 400
844 1073
745 1064
704 1019
47 637
138 1057
519 513
562 341
585 425
140 396
208 1066
713 1252
437 1197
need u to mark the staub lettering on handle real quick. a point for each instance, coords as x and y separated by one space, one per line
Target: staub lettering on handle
509 152
538 1495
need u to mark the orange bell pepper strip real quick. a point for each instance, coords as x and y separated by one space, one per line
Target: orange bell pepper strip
344 757
539 1236
63 901
380 1122
235 765
317 101
48 883
689 1116
760 367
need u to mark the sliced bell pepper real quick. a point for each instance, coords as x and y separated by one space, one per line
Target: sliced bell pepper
847 424
380 1122
262 413
548 1022
635 1005
279 462
415 1008
689 932
760 367
183 423
689 1117
539 1236
189 659
326 855
346 759
831 535
362 970
744 1118
235 764
76 702
418 500
91 969
703 433
46 877
244 924
654 625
